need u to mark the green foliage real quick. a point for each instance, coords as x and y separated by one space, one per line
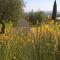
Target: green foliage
11 10
54 13
33 17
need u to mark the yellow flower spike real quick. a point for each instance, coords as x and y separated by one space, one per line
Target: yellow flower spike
32 41
52 21
46 26
28 40
58 25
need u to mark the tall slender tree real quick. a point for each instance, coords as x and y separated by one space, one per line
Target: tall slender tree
54 13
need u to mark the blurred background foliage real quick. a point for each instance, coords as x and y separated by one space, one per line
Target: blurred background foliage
39 16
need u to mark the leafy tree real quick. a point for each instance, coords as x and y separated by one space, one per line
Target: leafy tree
54 13
10 10
39 16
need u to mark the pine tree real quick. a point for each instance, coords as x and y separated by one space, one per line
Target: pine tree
54 13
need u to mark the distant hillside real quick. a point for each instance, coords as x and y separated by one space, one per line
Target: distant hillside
50 13
47 13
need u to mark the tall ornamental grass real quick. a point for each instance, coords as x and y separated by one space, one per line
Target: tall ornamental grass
40 43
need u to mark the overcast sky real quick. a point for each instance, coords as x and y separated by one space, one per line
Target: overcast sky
45 5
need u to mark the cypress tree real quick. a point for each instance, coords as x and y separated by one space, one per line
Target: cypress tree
54 13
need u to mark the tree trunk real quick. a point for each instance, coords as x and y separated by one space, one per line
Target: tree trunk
2 23
2 28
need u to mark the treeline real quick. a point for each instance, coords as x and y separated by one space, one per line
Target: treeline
36 17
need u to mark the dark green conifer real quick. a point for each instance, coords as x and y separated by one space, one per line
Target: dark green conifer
54 13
